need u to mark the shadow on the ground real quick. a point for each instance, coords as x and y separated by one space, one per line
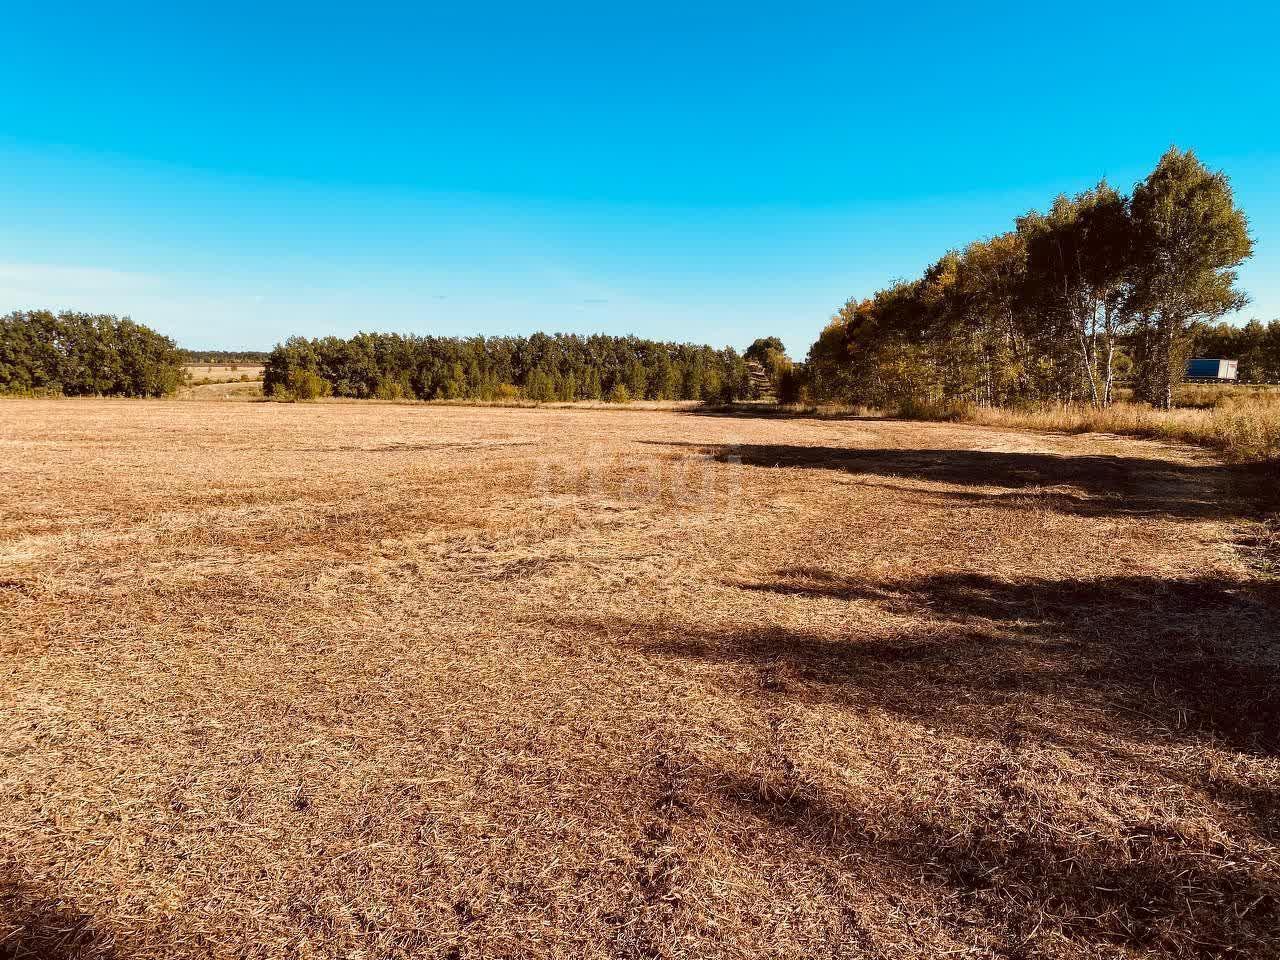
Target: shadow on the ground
1193 658
1109 484
1011 882
752 411
34 926
1130 677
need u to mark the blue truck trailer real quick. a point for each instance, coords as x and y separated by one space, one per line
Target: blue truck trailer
1205 369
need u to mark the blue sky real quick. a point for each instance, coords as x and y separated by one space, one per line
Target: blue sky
708 172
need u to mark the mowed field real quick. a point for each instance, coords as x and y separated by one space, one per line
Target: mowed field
365 680
223 372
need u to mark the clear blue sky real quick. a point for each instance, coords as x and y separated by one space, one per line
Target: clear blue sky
710 172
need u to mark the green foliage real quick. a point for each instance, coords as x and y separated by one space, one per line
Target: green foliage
301 384
223 357
1053 311
1188 237
1255 345
619 394
637 377
790 387
389 389
763 349
538 386
544 368
81 354
770 353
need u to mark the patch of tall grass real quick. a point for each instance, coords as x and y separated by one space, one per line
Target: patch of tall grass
1241 424
1243 428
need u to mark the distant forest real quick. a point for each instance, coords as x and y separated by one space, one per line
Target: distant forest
1103 286
1102 289
96 354
224 357
83 354
540 367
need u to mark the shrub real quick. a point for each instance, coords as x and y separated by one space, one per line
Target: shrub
301 385
619 394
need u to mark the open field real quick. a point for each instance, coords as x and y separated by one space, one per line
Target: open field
223 373
367 680
222 390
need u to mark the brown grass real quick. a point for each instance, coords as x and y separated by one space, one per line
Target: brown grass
1242 424
221 390
1244 428
199 373
344 680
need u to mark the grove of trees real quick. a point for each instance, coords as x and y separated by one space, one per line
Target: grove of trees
80 354
1100 286
540 367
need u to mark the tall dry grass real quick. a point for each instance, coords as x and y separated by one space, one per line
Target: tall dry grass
1240 423
1244 428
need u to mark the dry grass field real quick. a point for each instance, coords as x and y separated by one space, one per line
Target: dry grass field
221 390
364 681
223 372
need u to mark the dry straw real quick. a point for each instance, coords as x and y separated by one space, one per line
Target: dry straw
340 680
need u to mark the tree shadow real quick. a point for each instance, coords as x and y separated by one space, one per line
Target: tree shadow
1152 890
1131 676
37 926
738 411
1196 658
1109 484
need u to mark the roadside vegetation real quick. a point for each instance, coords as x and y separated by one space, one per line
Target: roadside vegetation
1241 424
1243 429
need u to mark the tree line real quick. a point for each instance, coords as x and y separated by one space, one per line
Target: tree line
1103 285
223 357
541 367
79 354
1256 345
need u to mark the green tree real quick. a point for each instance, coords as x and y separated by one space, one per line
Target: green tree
1189 238
763 348
538 386
637 377
86 354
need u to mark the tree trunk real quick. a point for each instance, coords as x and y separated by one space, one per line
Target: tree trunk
1165 366
1089 374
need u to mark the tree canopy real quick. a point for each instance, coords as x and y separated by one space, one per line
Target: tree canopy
541 367
1101 284
85 354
